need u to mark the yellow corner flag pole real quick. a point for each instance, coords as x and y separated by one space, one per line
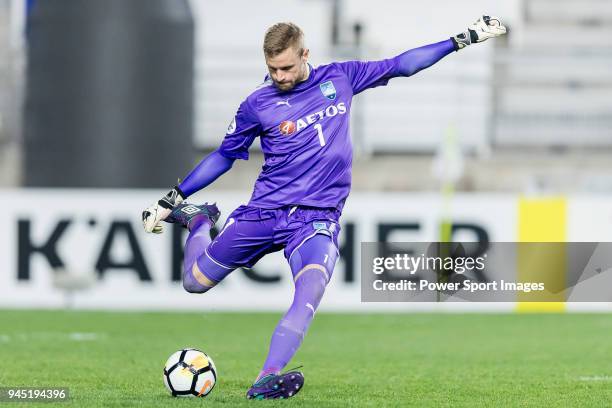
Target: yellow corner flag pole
448 169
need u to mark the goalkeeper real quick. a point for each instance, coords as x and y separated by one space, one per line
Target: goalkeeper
301 114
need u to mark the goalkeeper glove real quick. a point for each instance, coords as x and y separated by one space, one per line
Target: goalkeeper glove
152 216
486 27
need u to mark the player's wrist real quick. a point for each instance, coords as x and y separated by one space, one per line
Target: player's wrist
173 198
462 40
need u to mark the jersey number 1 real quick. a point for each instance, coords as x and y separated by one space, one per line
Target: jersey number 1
320 133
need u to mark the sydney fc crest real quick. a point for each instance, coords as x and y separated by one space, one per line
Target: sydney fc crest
319 225
328 90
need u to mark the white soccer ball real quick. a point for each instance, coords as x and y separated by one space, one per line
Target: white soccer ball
190 373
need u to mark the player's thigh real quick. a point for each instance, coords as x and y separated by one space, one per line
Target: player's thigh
242 241
318 253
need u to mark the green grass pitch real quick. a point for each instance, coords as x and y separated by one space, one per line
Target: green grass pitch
376 360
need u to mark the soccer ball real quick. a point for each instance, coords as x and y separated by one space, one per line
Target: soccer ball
190 373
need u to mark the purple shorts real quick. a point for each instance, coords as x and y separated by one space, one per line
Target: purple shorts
250 233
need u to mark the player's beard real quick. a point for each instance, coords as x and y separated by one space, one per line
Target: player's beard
287 86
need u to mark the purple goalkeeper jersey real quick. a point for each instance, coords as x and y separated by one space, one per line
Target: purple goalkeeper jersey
304 134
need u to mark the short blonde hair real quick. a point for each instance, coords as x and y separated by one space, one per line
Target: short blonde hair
282 36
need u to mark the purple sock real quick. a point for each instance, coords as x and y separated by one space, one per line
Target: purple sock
197 241
199 220
290 331
309 289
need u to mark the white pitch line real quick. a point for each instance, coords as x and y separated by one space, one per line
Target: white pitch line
595 378
84 336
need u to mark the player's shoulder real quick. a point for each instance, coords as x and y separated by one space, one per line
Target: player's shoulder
267 83
340 71
345 67
330 67
263 90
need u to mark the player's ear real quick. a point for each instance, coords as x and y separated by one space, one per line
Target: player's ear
305 54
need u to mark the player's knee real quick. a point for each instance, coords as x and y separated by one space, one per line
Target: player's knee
319 289
314 273
195 281
194 287
315 277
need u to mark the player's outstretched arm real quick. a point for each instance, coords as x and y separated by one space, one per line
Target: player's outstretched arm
207 171
415 60
486 27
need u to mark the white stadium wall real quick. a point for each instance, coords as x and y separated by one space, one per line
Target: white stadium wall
54 235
